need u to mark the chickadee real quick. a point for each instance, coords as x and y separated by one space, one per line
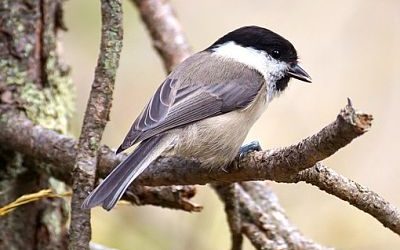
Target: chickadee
206 106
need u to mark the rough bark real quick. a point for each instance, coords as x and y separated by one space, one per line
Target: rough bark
264 220
357 195
229 196
56 154
95 120
33 84
165 31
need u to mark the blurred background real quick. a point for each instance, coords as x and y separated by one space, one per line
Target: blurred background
349 47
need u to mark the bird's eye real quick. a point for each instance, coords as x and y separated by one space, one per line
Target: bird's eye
276 53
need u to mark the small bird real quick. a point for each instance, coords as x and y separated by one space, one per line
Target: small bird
206 106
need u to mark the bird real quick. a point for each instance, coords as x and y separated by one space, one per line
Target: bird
206 106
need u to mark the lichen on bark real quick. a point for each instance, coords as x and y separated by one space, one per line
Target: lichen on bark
34 83
58 96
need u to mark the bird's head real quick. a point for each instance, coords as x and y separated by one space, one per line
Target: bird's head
270 54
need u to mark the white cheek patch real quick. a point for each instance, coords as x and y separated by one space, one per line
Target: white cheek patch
271 69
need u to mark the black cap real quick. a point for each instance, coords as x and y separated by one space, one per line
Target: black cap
260 39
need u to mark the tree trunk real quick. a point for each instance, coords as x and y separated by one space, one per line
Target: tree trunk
33 83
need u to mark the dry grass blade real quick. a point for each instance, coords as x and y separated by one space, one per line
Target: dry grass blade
28 198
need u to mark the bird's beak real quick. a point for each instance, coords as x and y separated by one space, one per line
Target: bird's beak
297 72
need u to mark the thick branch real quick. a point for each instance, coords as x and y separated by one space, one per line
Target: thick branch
279 164
95 119
59 150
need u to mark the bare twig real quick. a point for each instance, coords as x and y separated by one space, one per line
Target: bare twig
165 31
177 197
262 208
229 196
262 220
357 195
258 239
96 117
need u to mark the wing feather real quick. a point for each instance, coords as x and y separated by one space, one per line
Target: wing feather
173 106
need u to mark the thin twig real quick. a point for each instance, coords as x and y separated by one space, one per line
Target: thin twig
258 239
252 213
94 122
176 197
228 195
165 31
357 195
261 205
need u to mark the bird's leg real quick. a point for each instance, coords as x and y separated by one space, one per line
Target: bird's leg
248 148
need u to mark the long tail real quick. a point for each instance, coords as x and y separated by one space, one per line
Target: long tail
115 184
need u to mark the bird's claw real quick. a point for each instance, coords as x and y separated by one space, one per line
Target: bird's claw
248 148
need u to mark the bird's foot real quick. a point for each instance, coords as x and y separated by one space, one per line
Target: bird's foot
248 148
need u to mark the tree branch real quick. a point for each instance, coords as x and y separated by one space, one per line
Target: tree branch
59 151
95 119
176 197
277 164
165 31
229 196
266 219
258 239
357 195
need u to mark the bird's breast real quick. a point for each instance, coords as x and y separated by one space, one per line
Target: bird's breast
217 140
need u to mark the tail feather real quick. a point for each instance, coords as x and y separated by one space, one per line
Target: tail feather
115 184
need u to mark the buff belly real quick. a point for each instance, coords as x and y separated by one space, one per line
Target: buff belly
216 141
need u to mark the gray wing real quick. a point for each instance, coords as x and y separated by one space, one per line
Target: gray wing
173 106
